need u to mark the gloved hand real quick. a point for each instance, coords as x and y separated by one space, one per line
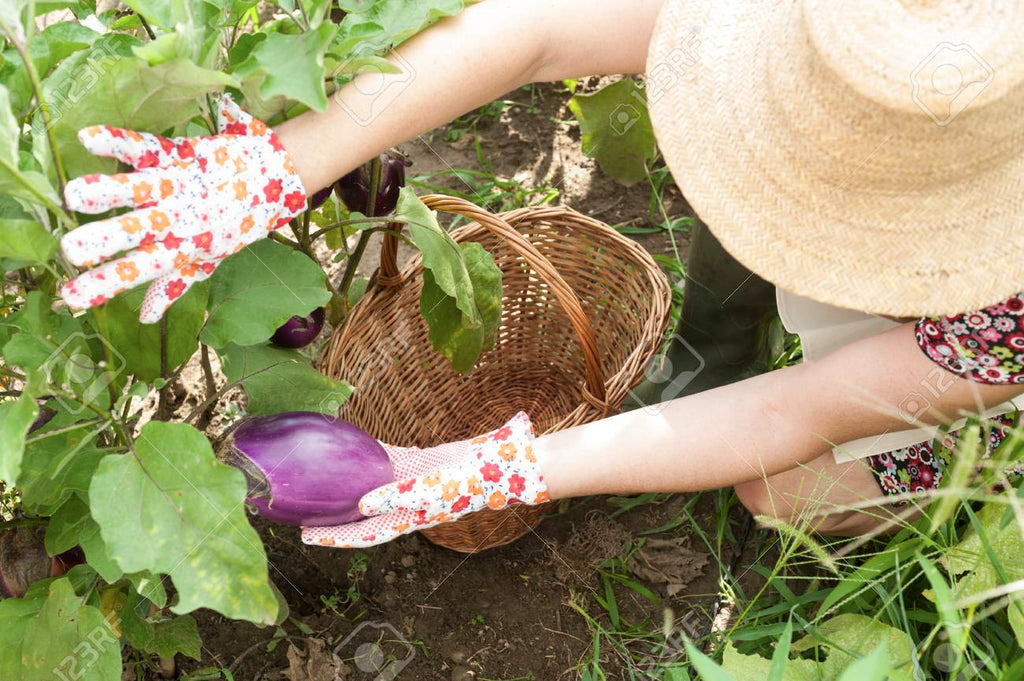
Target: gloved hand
442 484
198 200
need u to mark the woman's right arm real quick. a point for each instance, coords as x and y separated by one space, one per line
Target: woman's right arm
464 62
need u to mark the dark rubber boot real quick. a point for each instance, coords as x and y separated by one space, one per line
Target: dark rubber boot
717 339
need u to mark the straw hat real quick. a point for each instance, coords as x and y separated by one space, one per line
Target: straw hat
866 153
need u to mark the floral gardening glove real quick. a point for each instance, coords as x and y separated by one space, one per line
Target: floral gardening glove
441 484
197 201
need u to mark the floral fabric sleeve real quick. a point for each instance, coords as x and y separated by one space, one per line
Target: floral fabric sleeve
986 346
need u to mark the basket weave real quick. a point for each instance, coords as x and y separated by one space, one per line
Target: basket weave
584 310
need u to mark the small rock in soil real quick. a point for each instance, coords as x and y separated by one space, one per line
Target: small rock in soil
390 578
408 560
463 674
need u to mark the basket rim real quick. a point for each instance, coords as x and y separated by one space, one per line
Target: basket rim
617 381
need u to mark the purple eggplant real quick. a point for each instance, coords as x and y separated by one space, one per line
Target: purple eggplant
305 468
23 560
298 332
354 189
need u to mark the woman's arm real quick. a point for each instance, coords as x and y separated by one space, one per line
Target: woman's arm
759 426
462 63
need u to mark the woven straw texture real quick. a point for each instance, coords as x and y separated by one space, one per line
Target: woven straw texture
867 154
584 311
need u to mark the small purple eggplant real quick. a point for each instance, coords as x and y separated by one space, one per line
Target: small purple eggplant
354 188
298 332
307 469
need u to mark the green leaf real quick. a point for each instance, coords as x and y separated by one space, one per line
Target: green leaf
56 467
149 586
67 37
27 351
257 290
850 637
616 129
990 558
392 22
156 12
441 255
16 417
29 184
173 508
705 666
290 66
163 636
13 20
277 380
451 333
1015 615
57 638
756 667
26 240
129 93
72 526
139 344
872 667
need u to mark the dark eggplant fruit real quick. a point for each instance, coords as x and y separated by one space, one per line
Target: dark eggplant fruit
298 332
304 468
354 188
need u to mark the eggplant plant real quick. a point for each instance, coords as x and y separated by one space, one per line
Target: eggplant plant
101 501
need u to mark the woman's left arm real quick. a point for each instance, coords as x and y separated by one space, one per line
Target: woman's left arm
759 426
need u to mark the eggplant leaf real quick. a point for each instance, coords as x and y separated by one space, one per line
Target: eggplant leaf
287 66
257 290
16 417
173 508
450 332
55 638
127 92
616 129
139 344
277 380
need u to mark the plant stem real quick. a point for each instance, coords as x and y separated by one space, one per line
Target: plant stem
145 25
44 108
227 387
65 429
282 239
354 221
164 396
211 384
364 238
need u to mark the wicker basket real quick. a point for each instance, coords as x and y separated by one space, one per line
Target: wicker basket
584 310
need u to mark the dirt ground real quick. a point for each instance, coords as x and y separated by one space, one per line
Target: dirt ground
509 613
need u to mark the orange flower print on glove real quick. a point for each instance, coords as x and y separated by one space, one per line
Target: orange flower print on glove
443 483
196 201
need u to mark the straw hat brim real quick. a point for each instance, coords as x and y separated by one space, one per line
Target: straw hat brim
813 188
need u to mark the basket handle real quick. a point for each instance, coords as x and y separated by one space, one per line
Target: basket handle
594 392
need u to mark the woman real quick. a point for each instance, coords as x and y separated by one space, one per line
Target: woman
833 148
